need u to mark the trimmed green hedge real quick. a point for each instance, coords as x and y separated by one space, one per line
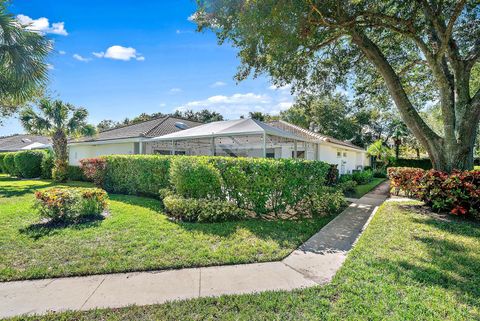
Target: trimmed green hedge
75 173
2 169
28 163
48 162
137 174
255 184
423 163
9 164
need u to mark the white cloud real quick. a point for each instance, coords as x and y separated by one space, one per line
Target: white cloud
176 90
120 53
62 52
218 84
179 32
239 104
42 25
50 66
162 105
193 17
80 58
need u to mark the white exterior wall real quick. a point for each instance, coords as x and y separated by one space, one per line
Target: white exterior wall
78 152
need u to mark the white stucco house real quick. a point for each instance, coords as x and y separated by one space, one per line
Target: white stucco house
236 138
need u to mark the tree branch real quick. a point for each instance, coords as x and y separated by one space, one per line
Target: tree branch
411 117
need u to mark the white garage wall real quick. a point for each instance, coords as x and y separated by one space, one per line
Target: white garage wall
78 152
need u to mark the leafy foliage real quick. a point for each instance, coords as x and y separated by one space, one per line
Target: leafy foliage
70 204
47 165
405 53
93 169
2 168
202 210
28 163
59 121
9 164
195 178
23 67
457 192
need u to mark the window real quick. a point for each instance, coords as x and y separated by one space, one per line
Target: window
271 155
161 152
339 153
344 154
300 154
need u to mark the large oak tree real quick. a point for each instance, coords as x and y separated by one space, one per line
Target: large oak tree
417 51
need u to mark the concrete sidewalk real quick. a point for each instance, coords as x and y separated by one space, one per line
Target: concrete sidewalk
315 262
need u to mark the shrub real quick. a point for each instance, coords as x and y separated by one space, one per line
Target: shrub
75 173
201 210
9 164
347 187
458 192
332 175
424 163
136 174
345 178
195 178
2 168
70 204
47 165
327 202
379 173
406 179
28 163
362 177
93 169
60 171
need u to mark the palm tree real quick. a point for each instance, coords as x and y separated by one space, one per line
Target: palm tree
399 132
380 152
58 120
23 69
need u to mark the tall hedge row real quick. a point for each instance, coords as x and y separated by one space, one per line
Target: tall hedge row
2 169
423 163
25 164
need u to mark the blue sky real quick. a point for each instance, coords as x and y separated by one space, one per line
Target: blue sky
119 59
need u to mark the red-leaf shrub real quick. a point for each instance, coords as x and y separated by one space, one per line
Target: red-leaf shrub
458 192
406 179
94 169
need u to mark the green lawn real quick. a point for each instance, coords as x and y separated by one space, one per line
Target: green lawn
410 264
361 190
135 236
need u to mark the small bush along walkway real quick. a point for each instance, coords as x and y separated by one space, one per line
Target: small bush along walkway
135 235
410 264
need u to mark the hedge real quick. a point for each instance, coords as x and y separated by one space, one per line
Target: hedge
457 192
9 164
255 184
75 173
423 163
2 169
48 162
28 163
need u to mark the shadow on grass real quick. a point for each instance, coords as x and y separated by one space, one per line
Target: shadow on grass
142 201
20 190
450 264
49 228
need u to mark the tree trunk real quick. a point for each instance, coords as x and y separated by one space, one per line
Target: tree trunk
59 140
460 117
417 150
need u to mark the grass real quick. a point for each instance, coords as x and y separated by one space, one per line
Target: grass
361 190
410 264
477 168
135 236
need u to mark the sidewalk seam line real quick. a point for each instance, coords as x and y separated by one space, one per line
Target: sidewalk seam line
93 292
199 282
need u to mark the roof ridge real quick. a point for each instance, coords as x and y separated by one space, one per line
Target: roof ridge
307 131
156 126
128 125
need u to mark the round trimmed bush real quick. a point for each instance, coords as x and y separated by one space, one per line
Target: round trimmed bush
28 163
9 164
195 178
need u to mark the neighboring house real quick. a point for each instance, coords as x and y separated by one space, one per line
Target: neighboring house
253 138
127 139
346 155
23 142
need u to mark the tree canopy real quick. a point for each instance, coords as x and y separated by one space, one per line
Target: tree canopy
410 53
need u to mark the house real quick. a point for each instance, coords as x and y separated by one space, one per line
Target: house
253 138
128 139
23 142
346 155
236 138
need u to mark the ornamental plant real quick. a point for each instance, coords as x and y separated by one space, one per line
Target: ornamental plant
70 204
406 179
94 170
